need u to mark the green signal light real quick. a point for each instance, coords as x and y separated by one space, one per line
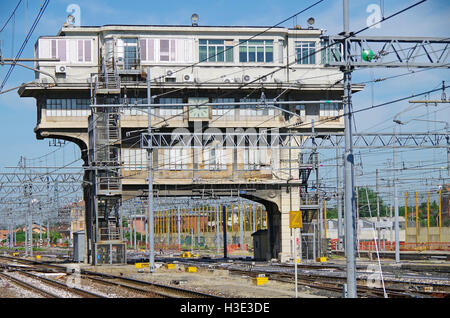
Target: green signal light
367 55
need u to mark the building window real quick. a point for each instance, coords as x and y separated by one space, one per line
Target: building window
215 50
134 159
84 51
305 51
171 110
254 158
329 110
256 51
214 159
223 111
330 54
68 107
175 159
300 110
166 50
255 110
58 50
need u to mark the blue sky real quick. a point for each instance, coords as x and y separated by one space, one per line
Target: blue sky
18 116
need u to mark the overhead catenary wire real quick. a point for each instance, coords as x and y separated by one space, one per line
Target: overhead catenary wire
27 38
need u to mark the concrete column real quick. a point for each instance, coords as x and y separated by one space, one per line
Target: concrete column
285 207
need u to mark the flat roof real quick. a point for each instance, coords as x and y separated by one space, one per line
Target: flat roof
91 28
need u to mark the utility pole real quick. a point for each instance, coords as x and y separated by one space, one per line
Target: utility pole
339 198
217 224
224 229
150 179
396 214
378 204
349 197
179 228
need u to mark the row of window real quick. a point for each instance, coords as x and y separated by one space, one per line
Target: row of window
178 159
80 107
260 51
69 50
179 50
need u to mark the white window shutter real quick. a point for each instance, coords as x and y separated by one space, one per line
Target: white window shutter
88 45
179 51
189 49
151 50
143 49
62 50
44 48
172 50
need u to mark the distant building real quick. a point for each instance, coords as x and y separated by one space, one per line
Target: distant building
77 219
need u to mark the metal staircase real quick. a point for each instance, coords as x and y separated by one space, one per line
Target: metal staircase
108 246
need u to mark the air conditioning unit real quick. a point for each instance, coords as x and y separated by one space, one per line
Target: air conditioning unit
60 69
228 80
237 80
170 76
263 79
188 78
246 78
170 73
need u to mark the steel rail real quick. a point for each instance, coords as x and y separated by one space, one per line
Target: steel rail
29 286
162 290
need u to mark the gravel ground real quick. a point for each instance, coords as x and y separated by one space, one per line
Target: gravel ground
11 290
217 282
36 282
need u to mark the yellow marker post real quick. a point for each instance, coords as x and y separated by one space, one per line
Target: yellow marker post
232 218
207 219
186 220
267 220
213 219
325 216
428 217
440 215
406 217
417 218
205 224
220 218
251 217
226 218
239 216
245 228
260 217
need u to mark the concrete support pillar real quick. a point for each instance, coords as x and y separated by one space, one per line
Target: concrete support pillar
286 203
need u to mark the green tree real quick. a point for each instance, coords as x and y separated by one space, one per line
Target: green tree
364 211
363 206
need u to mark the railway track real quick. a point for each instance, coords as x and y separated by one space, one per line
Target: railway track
137 287
41 285
400 289
34 289
144 287
334 283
